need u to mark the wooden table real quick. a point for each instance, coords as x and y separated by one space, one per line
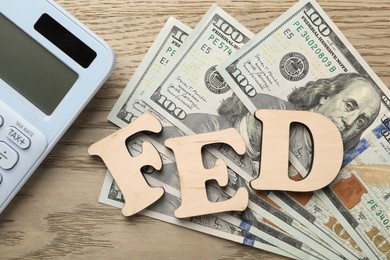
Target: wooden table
56 214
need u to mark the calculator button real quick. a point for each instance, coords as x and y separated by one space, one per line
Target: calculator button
1 120
1 178
18 138
8 156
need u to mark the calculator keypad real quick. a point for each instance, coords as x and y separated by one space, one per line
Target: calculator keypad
21 146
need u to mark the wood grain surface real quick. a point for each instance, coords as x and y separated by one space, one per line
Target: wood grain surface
56 214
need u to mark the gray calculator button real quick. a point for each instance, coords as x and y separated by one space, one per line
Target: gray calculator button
18 138
8 156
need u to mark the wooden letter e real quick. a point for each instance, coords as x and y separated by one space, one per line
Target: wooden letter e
125 169
193 175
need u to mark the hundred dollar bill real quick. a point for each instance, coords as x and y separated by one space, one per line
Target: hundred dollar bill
164 208
195 98
130 105
271 212
311 211
162 52
360 193
359 208
303 62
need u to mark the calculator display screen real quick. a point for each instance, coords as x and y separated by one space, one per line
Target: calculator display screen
31 69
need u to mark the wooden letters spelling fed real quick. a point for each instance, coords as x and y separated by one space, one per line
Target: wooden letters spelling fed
126 170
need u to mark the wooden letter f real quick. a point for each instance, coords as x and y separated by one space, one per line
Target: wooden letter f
126 169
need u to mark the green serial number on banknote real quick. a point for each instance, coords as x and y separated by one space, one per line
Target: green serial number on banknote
314 46
380 213
217 42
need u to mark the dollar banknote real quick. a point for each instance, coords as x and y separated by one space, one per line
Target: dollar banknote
311 211
130 105
303 62
360 209
123 113
164 208
163 50
360 194
194 98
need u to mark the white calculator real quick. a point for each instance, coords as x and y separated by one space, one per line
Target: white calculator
50 67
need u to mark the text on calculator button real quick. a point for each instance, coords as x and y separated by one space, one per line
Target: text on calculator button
1 120
8 156
18 138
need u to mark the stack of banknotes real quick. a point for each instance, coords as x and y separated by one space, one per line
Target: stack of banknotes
216 76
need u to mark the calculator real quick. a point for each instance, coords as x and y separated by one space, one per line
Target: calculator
51 66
